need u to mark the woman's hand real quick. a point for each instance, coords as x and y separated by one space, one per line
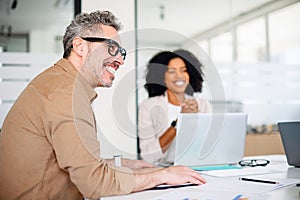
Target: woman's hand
189 106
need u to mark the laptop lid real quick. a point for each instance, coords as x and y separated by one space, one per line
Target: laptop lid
290 136
210 139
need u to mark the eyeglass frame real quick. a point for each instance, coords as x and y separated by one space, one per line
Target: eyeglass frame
253 162
110 42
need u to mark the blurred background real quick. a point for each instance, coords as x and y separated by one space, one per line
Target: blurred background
254 45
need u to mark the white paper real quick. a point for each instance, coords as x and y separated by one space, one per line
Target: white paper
233 185
242 172
208 195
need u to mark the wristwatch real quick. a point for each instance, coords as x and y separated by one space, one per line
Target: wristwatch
173 124
118 160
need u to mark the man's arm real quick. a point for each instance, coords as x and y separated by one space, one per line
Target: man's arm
132 164
147 175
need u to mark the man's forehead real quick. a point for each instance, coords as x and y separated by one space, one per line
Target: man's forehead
110 32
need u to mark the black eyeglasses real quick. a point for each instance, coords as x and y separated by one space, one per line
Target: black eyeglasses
254 162
113 47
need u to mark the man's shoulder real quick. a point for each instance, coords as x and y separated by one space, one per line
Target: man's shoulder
52 79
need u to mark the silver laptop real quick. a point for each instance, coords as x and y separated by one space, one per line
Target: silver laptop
290 136
210 139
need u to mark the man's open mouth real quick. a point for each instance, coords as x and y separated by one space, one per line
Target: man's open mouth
110 69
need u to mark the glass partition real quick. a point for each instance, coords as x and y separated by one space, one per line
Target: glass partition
251 46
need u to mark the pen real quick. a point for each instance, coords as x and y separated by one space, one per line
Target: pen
237 197
258 180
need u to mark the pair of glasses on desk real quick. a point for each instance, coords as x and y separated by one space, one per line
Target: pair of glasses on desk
254 162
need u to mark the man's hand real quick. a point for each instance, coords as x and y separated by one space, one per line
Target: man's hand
174 175
189 106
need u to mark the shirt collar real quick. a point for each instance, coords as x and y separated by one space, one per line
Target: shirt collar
69 68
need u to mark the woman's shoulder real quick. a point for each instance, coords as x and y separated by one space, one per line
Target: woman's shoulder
204 104
153 100
198 98
202 100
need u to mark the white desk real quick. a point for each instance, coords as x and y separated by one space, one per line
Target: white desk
277 161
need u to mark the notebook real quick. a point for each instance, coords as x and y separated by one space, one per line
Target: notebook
210 139
290 136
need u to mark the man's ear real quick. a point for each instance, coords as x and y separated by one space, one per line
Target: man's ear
78 45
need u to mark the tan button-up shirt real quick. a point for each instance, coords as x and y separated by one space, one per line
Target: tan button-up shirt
48 143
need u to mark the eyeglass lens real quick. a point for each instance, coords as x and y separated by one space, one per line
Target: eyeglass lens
254 162
114 48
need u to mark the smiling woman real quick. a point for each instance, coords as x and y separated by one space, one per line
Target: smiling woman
171 81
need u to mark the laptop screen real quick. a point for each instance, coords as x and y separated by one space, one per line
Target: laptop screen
210 139
290 136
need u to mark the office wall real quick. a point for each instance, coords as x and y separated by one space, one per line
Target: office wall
115 108
50 37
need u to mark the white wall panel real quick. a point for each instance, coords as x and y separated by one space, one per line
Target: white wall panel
16 70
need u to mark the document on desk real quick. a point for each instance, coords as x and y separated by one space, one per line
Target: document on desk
255 187
241 172
208 195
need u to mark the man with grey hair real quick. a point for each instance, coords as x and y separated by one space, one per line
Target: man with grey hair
48 143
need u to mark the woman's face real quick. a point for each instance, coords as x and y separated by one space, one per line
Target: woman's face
176 76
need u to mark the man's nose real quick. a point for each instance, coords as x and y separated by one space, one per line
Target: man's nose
119 58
